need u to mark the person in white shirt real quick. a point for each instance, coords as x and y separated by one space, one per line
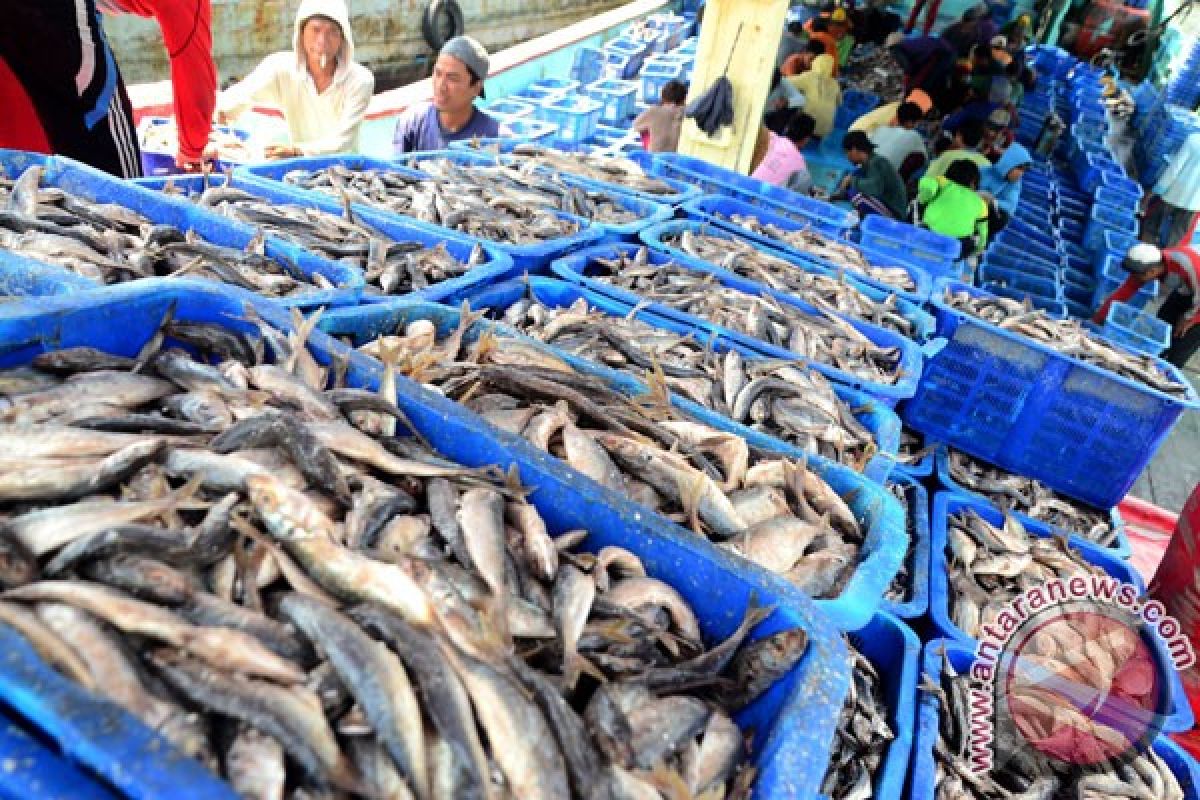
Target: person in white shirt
900 144
321 90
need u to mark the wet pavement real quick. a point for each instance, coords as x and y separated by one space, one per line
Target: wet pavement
1175 470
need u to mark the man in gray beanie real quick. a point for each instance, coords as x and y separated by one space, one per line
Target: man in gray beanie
458 77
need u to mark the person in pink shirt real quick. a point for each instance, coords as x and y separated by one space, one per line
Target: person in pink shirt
783 165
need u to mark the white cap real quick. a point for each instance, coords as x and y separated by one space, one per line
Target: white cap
1142 257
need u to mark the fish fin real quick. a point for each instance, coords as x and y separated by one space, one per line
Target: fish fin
388 354
347 210
657 402
513 485
669 783
691 490
577 665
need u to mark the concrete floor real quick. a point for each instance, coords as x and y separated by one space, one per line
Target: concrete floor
1175 470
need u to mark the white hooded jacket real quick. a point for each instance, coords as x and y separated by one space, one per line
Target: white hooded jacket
319 123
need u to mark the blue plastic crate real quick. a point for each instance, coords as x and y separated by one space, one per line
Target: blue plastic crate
1007 258
529 129
92 184
716 210
1120 184
575 116
25 277
1136 329
1078 300
159 162
889 234
654 76
806 212
1121 547
923 777
617 98
1026 407
910 355
525 257
1114 244
880 514
654 236
497 266
588 65
1077 279
507 109
945 504
876 417
1117 199
854 104
625 57
1105 218
895 652
35 771
647 212
916 515
792 722
1033 249
715 180
561 86
1025 284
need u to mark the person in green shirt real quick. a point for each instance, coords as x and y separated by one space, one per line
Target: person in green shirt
950 205
967 139
874 187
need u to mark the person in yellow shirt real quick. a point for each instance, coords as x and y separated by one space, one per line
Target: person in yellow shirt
885 114
821 91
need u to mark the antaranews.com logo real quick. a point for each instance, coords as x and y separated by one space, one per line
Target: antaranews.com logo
1079 666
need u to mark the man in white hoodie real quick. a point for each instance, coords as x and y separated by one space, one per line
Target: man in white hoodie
322 92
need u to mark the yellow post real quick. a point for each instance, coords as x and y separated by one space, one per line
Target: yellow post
750 68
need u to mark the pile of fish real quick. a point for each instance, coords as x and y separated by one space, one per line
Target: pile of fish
863 735
1068 337
249 564
785 399
825 247
765 508
533 186
110 243
874 70
826 292
1021 771
900 590
1031 498
987 567
228 146
491 211
824 338
394 267
607 169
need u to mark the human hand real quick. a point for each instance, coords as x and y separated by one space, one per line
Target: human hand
280 151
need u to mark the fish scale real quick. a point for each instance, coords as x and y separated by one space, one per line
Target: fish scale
1067 336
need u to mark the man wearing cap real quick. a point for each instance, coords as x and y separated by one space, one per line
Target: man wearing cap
1181 310
321 90
997 134
458 77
